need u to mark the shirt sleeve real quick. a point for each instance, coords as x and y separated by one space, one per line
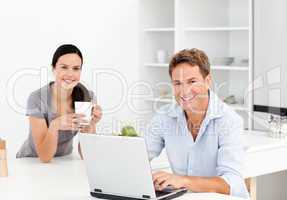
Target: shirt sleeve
231 156
154 137
35 106
93 97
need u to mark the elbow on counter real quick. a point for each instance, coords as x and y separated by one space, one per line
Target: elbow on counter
45 159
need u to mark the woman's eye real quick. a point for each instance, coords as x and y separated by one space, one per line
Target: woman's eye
64 67
77 68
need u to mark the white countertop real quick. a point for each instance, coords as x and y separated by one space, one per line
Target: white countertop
255 141
63 179
264 155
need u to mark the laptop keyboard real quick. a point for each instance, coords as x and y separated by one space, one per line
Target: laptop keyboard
162 193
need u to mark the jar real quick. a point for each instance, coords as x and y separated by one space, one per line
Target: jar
278 127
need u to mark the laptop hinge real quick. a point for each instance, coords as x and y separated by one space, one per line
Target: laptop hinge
98 190
146 196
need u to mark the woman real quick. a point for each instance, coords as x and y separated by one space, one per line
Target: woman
53 122
200 133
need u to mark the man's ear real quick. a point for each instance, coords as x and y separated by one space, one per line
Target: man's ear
208 80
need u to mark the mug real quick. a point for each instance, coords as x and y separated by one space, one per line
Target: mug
83 107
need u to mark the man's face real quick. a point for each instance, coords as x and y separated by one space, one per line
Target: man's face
190 87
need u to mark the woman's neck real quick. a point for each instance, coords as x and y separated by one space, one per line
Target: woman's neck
60 94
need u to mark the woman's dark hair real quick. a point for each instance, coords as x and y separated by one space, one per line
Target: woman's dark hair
63 50
80 92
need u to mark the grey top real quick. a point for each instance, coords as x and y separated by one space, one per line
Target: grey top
39 105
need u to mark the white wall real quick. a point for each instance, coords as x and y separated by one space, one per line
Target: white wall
106 31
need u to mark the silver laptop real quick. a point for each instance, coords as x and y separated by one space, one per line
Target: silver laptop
119 168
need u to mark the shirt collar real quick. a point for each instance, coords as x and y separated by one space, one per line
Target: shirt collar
214 109
214 106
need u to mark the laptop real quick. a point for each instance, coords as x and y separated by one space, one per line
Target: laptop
118 168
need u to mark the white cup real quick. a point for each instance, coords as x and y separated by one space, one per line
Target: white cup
85 108
161 56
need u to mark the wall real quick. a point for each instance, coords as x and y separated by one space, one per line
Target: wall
105 30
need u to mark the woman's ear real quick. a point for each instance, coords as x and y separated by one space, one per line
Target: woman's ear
53 70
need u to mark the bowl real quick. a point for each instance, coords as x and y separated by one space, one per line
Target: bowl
222 60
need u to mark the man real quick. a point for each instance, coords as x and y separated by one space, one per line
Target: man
200 133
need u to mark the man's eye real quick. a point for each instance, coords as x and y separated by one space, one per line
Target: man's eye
77 68
64 67
191 82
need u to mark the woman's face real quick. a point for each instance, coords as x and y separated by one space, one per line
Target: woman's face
190 87
67 71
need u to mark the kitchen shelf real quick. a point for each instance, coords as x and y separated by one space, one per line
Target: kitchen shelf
160 65
238 107
186 24
216 29
230 67
214 67
159 30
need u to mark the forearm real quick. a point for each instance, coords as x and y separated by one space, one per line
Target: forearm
207 184
92 128
48 147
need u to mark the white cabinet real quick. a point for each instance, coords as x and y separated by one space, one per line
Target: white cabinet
222 28
270 63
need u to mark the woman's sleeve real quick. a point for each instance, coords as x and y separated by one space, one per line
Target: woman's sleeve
35 106
93 97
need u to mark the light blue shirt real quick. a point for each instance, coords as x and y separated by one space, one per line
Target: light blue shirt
217 150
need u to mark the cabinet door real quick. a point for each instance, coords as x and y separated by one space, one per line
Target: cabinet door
270 57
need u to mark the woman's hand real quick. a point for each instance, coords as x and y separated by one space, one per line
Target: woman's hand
96 114
163 179
96 117
68 122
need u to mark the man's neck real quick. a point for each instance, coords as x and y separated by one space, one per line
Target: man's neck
196 116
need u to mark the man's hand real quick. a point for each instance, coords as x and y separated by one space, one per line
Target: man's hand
163 179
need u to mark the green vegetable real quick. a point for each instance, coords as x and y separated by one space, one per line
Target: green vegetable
129 131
